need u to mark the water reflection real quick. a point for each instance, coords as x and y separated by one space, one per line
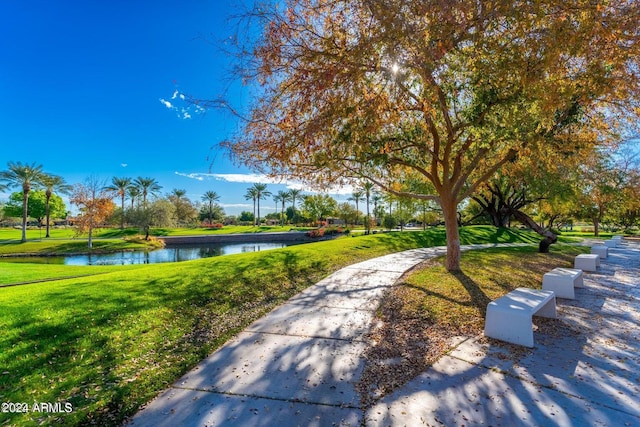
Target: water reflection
171 254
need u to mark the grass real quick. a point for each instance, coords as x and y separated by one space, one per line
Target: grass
458 301
47 247
23 271
432 307
108 343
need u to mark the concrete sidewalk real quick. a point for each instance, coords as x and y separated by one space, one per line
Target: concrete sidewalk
298 365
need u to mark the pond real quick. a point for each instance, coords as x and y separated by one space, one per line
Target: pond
169 254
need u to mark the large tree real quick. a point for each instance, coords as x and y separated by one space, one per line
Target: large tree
601 189
319 206
444 91
26 177
41 206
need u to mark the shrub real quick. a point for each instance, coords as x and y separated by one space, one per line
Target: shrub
215 225
151 241
317 232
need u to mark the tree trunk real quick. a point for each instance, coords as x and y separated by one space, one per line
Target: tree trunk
122 218
449 211
254 212
549 237
25 204
90 241
258 217
47 214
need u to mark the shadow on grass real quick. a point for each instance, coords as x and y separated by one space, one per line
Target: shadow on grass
479 299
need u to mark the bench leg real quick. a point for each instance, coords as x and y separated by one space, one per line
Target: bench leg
548 310
579 282
509 326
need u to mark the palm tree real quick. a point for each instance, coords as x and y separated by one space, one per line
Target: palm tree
25 176
133 192
148 186
252 194
356 196
376 198
51 184
261 194
367 187
283 197
120 186
293 195
211 197
175 197
178 194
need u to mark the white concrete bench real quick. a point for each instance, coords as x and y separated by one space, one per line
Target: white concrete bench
611 243
601 250
562 281
587 262
509 318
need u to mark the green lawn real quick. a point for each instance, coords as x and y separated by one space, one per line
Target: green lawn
68 246
108 343
23 271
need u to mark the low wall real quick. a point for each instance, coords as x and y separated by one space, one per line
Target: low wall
291 236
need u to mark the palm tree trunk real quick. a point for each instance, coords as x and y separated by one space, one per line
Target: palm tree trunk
25 204
47 215
367 225
122 207
254 211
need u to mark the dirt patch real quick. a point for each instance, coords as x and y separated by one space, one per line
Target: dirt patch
400 348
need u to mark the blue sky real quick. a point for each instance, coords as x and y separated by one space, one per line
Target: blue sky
95 88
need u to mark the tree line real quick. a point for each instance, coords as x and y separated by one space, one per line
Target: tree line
39 197
603 190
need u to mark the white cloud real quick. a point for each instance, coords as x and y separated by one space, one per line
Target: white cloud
196 176
250 178
254 178
124 165
184 112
